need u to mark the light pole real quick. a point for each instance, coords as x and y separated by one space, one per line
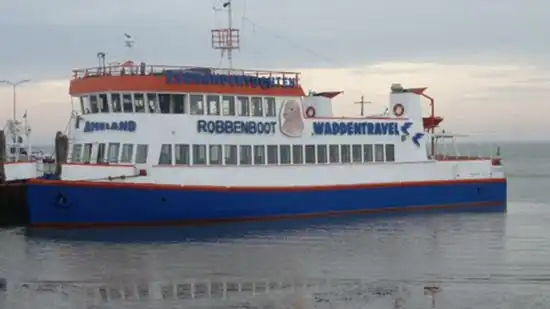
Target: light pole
14 87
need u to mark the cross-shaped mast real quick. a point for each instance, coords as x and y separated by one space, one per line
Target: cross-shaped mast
363 102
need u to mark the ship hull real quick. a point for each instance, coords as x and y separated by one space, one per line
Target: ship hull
74 204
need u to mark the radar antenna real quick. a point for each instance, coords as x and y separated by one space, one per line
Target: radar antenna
226 39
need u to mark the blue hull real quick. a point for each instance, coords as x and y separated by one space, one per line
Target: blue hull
83 204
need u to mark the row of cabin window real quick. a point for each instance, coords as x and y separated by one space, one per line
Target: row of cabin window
273 154
194 104
110 153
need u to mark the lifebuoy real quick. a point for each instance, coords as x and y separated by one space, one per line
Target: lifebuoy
398 110
310 112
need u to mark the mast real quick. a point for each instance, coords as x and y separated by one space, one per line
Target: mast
226 39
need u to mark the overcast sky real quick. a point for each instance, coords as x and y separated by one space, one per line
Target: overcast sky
486 62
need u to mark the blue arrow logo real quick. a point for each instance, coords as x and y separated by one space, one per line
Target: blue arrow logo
405 127
416 138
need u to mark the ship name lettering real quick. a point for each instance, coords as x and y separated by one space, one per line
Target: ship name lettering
236 127
356 128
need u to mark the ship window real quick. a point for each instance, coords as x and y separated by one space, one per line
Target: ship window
322 154
115 103
178 103
77 152
345 153
93 104
390 152
244 106
245 154
230 154
100 153
379 153
87 154
85 104
213 104
297 154
367 153
127 105
127 153
182 154
334 154
199 154
285 154
152 103
103 103
164 103
139 103
215 154
310 154
196 102
114 150
257 108
165 156
270 107
357 153
259 154
142 151
228 103
272 154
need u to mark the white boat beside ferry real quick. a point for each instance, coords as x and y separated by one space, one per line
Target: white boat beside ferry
155 144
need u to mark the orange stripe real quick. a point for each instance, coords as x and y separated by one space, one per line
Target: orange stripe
149 186
270 218
158 84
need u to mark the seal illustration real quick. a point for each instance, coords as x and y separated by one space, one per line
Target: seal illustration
291 122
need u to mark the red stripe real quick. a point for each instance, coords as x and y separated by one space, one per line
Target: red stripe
152 186
64 225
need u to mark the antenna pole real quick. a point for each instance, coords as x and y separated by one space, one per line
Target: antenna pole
226 40
230 34
363 102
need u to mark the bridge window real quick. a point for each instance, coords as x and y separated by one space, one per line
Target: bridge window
165 156
152 103
103 103
213 104
164 103
230 154
87 154
284 151
196 102
116 107
378 153
127 104
272 154
310 154
127 153
334 154
228 103
178 103
245 154
93 104
322 154
345 153
270 107
357 153
114 150
257 107
77 152
101 153
390 153
85 104
297 154
142 151
139 103
259 154
244 106
368 153
215 154
199 154
182 154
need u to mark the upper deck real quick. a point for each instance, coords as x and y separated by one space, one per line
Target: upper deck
130 77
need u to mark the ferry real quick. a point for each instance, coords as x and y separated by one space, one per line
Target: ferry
159 145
